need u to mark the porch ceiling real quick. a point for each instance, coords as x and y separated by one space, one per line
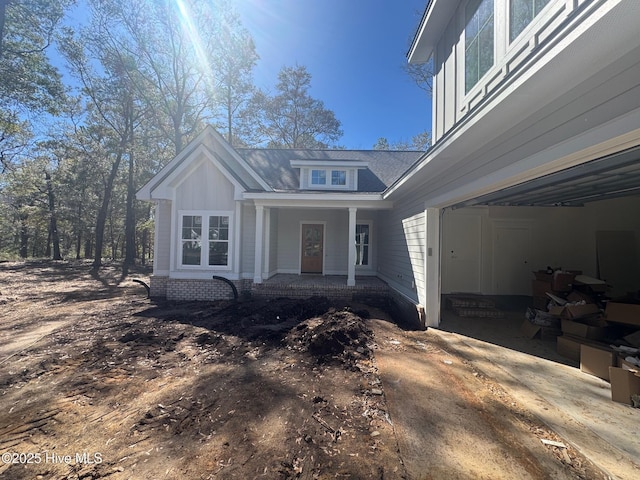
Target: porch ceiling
612 176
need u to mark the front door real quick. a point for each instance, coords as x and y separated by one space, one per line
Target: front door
312 248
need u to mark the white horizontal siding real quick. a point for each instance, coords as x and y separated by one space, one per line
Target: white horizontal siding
162 253
402 248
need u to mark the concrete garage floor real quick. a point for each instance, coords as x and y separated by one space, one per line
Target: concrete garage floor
574 404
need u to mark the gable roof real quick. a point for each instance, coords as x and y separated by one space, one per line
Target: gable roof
384 167
214 147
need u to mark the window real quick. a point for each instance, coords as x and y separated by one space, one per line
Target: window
521 14
191 239
362 244
219 240
215 245
479 41
339 177
318 177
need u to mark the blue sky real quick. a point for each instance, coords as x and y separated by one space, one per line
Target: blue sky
354 51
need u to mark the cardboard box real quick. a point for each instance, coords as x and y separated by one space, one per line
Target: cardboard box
569 347
622 363
624 384
575 297
594 284
540 288
562 281
543 276
596 361
584 330
626 313
575 311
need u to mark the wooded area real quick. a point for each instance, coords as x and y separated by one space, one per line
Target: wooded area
141 79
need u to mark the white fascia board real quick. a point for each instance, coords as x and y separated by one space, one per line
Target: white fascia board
313 200
229 149
165 189
328 164
433 24
145 193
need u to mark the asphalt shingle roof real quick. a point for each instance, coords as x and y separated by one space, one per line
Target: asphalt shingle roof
274 165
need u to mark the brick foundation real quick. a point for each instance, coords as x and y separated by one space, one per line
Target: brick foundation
158 286
379 295
202 290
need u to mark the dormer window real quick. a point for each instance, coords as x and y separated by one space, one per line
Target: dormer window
339 177
318 177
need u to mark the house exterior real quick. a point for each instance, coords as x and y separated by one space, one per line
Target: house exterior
249 214
535 162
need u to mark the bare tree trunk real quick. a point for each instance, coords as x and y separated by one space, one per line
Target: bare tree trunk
130 220
53 220
24 237
101 219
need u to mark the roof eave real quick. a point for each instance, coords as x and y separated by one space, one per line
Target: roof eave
434 21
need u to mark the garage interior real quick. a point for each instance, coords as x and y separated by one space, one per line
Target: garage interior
584 219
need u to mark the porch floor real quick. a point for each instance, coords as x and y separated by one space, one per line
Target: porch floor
332 286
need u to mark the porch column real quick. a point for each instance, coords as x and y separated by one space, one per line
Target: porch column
351 275
257 268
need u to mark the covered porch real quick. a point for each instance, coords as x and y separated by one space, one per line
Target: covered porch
334 237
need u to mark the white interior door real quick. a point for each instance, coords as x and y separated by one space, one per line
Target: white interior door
461 254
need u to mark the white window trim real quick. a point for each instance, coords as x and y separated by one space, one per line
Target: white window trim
369 223
204 256
328 185
480 84
525 35
504 50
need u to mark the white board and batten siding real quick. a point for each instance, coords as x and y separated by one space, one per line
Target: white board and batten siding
206 188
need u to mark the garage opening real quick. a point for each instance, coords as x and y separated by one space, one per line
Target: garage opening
501 251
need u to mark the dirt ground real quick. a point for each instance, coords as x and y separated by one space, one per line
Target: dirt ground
97 381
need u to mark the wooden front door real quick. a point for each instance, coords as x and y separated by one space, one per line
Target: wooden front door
312 248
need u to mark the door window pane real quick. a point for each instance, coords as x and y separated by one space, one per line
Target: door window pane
362 244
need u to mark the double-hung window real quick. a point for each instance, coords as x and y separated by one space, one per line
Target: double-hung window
479 41
205 239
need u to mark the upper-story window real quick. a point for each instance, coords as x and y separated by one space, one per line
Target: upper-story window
479 41
521 14
338 177
318 177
